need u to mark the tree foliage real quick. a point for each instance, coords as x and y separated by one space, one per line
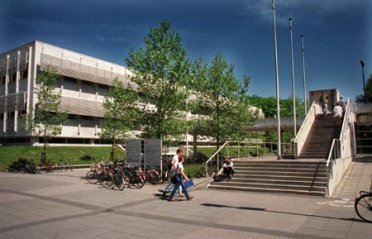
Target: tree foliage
161 70
367 96
268 106
121 113
48 117
222 99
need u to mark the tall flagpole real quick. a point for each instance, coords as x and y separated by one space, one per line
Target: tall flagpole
293 80
303 71
277 83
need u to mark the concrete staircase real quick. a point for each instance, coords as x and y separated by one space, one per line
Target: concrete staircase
319 141
285 176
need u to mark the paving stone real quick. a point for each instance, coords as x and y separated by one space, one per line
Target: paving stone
68 207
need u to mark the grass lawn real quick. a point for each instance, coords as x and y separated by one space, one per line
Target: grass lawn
233 151
73 155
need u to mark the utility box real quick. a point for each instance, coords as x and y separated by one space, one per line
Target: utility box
332 94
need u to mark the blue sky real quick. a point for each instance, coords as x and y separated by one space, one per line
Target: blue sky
337 34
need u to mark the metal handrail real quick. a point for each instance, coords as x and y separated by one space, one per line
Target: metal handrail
216 152
206 162
331 151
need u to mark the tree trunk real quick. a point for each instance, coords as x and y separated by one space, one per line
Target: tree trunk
43 154
112 155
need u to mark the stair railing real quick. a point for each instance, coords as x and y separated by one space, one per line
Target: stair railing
305 128
341 148
214 156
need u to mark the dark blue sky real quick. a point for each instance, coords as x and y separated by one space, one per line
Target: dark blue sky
337 34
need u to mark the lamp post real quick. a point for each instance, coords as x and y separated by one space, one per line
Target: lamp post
303 71
293 79
364 83
277 82
187 132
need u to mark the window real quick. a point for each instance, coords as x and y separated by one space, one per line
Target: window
2 80
70 83
24 74
13 77
103 89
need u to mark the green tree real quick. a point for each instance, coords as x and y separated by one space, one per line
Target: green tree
222 99
268 106
367 96
121 114
48 117
161 70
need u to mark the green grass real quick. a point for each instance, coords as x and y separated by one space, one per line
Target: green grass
233 151
195 170
73 155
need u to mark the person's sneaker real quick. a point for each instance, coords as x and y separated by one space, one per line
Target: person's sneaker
170 200
190 198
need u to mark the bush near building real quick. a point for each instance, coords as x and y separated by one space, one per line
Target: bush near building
72 155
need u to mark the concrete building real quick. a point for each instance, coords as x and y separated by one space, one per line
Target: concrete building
83 84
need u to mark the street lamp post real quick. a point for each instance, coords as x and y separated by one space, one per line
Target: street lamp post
303 71
293 80
277 82
364 83
187 132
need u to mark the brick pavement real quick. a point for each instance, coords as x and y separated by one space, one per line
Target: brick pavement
358 177
64 205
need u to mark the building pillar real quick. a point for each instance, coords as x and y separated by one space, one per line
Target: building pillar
16 110
6 94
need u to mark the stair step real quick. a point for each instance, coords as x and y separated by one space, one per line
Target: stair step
269 190
316 183
279 162
271 186
289 173
314 167
279 177
272 169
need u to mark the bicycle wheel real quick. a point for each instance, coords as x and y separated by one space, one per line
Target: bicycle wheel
119 181
153 177
92 177
139 181
363 207
107 181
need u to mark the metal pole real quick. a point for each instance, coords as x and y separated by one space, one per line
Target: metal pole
303 72
187 133
293 80
279 156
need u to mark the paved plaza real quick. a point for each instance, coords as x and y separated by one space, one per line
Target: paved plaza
64 205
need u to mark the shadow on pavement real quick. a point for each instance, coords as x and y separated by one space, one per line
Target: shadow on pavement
281 212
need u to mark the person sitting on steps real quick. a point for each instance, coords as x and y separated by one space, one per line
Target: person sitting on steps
228 168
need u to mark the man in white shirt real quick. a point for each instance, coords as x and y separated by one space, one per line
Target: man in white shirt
173 170
337 113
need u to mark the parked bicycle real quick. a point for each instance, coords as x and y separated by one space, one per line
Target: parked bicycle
363 206
152 176
108 175
134 176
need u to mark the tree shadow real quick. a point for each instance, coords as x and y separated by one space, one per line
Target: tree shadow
281 212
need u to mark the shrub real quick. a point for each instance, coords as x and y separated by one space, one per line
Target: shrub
23 165
87 157
195 170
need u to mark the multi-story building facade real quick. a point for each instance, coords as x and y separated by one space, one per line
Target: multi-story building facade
84 81
83 84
